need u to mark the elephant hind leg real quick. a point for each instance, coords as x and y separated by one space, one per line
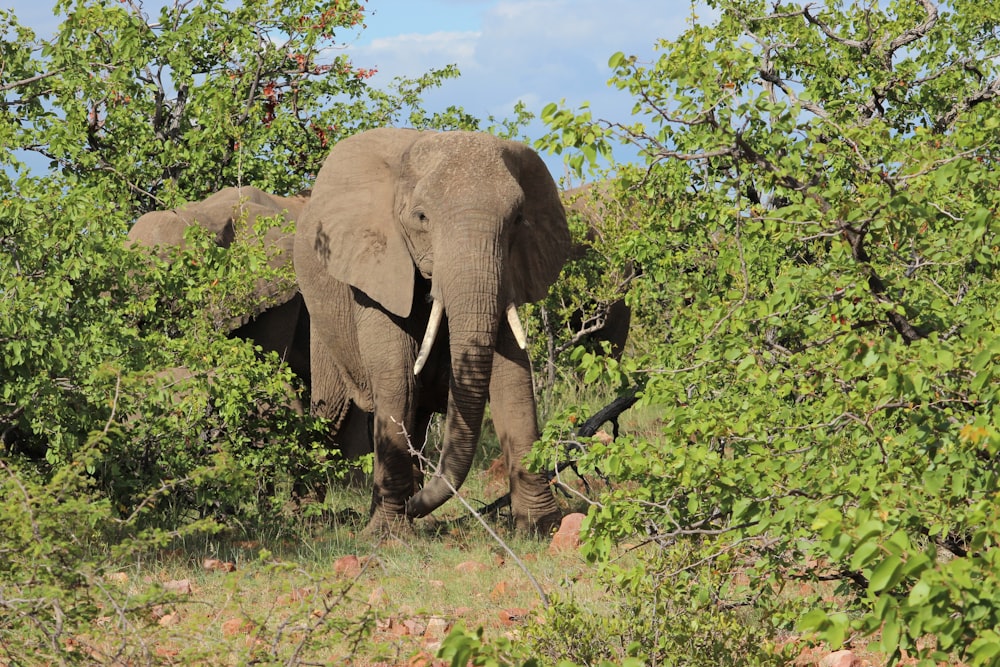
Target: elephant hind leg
512 403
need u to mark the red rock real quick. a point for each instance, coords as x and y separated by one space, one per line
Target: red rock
840 659
568 536
347 566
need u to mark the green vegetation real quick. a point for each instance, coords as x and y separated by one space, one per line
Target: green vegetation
814 456
822 288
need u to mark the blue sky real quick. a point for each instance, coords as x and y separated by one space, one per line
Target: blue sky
535 51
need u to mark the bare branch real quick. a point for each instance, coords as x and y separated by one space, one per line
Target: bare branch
689 157
864 46
913 34
31 79
768 75
987 93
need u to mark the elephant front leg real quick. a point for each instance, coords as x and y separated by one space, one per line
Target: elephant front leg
393 478
512 404
389 356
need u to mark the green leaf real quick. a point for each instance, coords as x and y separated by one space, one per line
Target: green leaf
864 554
919 594
885 574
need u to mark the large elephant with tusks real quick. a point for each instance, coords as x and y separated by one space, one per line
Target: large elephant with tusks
412 255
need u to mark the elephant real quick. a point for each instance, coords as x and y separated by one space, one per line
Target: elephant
279 322
605 321
412 254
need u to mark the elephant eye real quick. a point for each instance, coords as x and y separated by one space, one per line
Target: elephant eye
421 217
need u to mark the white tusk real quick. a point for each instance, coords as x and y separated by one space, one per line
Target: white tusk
437 310
515 326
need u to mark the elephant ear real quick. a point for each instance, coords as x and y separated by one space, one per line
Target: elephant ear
218 212
157 228
351 221
541 243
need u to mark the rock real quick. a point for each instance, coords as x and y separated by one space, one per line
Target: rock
513 616
840 659
437 628
171 618
347 566
567 538
218 565
414 627
470 566
179 586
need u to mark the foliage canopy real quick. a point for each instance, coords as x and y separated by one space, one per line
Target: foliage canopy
819 255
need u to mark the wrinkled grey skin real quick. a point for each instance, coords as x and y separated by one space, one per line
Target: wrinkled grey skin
279 322
588 201
398 218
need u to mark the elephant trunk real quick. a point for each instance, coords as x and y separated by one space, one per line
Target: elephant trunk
472 304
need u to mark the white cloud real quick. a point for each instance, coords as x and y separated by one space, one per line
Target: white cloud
535 51
413 53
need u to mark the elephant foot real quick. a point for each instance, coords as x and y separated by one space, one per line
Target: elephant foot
538 524
384 525
532 505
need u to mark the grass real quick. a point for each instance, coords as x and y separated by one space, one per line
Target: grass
314 591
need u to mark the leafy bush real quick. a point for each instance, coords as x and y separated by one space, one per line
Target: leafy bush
821 256
93 343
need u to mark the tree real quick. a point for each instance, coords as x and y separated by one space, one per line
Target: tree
172 107
123 411
820 249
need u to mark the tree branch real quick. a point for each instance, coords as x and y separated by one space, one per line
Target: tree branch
31 79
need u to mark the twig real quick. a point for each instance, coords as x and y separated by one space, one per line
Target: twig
524 568
31 79
608 413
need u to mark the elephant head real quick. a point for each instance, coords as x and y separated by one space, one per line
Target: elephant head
278 320
606 320
468 221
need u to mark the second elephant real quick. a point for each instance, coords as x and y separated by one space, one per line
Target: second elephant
412 253
278 320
